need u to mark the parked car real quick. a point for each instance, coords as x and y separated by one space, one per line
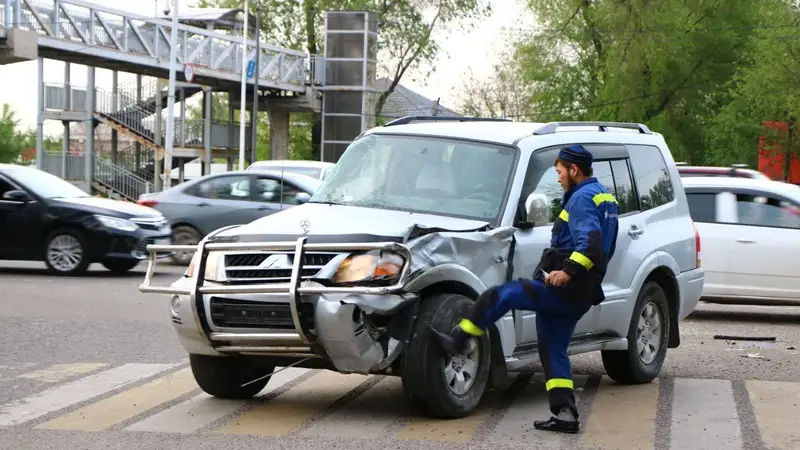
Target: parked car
197 207
413 223
44 218
314 169
735 171
751 238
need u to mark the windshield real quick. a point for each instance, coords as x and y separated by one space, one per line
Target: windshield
46 185
421 174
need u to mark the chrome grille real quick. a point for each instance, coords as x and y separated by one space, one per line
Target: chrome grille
151 223
277 267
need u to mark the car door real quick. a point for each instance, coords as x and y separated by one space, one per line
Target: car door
220 201
20 224
708 208
266 196
762 256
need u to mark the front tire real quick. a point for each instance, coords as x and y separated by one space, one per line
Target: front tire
445 386
223 377
66 252
648 337
120 265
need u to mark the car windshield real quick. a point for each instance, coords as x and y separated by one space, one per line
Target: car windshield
421 174
46 185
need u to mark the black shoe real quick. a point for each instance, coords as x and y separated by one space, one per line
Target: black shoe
555 424
452 344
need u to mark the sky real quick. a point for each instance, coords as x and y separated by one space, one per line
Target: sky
463 52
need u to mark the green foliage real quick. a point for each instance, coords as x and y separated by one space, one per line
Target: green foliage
13 141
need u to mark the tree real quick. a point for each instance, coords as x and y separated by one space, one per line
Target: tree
503 94
405 26
662 63
11 141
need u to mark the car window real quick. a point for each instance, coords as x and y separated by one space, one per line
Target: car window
231 187
5 186
652 176
702 207
623 187
763 211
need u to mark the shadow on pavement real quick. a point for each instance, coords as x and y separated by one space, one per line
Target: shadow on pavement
96 272
777 317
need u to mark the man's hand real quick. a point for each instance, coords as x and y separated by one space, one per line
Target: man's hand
557 278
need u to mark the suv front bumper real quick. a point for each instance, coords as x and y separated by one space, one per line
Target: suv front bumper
336 334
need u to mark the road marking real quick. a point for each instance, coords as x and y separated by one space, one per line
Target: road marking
80 390
776 405
704 415
60 372
113 410
284 413
367 416
203 409
622 417
516 426
455 430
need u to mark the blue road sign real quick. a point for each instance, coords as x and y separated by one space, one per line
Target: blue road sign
251 68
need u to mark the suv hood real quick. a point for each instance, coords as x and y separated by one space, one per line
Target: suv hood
99 205
335 221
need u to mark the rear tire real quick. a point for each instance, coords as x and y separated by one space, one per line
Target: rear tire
120 265
184 235
430 377
223 377
647 350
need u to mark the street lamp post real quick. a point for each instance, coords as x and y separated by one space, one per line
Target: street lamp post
173 51
243 97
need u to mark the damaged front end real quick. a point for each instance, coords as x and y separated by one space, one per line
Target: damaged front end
352 305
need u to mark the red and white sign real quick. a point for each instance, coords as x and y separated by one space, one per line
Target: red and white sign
188 72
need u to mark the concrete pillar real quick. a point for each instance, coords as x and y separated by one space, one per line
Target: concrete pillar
40 119
278 133
68 105
207 106
182 99
88 126
115 107
64 149
158 158
232 141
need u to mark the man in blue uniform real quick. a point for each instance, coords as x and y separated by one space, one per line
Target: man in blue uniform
583 241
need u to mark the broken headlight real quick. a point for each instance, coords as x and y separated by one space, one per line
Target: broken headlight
369 266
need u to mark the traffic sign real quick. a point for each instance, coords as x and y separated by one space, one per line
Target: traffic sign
251 68
188 72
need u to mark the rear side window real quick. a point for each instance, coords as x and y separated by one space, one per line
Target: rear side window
652 176
702 207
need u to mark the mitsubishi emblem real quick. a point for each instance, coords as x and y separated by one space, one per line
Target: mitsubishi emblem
276 261
305 225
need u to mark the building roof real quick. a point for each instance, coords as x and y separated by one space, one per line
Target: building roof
405 102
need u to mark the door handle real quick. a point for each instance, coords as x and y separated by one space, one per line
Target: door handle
203 204
264 208
635 232
745 241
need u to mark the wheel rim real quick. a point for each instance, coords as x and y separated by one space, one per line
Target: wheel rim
184 238
649 331
64 253
461 369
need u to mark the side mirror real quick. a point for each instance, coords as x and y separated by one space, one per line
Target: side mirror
537 209
17 196
302 197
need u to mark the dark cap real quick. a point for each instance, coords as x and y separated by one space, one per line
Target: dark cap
575 154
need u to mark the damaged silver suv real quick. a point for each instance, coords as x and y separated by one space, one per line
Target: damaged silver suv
417 218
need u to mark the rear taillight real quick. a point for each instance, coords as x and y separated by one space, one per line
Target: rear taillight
148 203
696 244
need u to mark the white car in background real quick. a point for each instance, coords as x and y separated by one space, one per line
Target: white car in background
313 169
750 231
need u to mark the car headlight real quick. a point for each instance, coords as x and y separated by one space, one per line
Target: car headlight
372 265
116 223
212 264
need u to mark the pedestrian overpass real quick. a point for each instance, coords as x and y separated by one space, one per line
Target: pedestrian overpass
209 45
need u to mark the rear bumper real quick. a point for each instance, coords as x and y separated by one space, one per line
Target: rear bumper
690 285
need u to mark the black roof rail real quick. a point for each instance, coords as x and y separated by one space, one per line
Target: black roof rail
551 127
408 119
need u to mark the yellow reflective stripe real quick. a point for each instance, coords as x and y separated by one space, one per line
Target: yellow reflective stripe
555 383
604 197
470 328
564 215
582 260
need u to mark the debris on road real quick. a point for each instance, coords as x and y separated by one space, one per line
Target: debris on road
744 338
754 356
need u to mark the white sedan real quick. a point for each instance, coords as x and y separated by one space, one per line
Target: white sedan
750 238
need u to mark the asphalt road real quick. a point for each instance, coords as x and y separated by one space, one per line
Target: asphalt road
91 363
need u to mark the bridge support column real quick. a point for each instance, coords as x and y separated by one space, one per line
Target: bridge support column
88 127
40 119
115 108
278 132
158 156
207 106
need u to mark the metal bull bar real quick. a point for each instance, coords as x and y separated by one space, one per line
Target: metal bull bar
292 288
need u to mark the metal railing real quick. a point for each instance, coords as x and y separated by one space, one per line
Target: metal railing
120 180
67 166
292 288
82 27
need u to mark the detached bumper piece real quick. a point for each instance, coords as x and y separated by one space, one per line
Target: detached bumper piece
295 317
